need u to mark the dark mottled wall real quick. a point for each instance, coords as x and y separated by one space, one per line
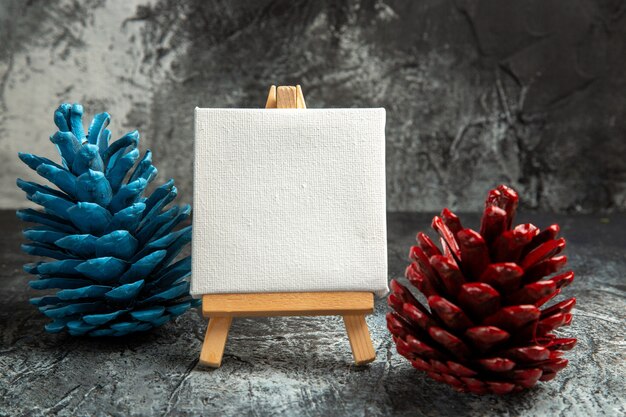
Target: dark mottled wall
531 93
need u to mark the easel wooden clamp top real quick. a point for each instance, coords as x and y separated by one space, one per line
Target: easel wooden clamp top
221 308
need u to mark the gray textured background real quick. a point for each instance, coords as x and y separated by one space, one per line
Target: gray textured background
530 93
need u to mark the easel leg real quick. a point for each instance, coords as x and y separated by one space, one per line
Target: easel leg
360 340
215 341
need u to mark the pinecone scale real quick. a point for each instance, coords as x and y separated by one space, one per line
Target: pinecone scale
482 329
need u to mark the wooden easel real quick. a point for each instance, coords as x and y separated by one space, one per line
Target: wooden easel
221 308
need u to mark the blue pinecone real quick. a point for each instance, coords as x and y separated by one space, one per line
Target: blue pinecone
112 247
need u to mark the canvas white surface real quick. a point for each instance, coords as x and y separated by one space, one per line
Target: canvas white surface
289 200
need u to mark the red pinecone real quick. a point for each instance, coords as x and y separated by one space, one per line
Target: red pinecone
485 332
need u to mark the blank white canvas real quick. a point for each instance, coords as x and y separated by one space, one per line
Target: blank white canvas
289 200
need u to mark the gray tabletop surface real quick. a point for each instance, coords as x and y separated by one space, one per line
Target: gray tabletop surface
302 365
